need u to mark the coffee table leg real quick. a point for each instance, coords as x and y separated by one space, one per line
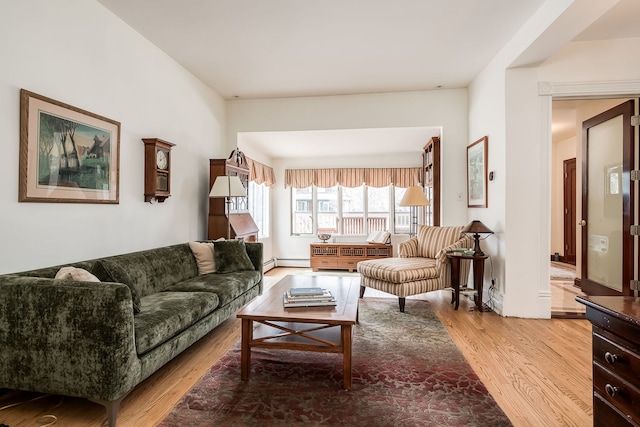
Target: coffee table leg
346 350
245 358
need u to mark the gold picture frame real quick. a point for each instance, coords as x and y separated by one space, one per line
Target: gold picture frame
477 173
67 155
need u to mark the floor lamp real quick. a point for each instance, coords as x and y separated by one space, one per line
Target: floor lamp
227 186
414 197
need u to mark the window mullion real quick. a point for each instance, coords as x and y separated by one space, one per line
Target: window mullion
339 212
365 209
315 207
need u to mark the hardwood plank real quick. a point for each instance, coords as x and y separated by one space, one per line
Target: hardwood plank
539 371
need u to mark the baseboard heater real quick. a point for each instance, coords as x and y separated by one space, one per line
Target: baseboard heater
269 264
293 262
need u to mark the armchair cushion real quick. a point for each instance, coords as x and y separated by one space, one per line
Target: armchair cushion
431 240
399 270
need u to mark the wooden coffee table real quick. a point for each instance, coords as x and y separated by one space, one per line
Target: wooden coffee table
319 329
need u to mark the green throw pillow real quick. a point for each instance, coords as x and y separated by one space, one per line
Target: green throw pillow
231 256
107 271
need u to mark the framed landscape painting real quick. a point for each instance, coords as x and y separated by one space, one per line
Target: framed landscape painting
477 173
67 155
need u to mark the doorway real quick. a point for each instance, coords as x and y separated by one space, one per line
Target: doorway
567 118
569 209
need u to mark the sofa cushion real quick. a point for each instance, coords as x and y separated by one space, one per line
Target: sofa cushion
203 252
231 256
165 314
432 239
108 271
150 271
77 274
399 270
227 286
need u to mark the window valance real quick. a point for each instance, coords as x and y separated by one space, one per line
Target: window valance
352 177
260 173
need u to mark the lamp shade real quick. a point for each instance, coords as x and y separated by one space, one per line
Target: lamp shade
414 196
476 227
227 186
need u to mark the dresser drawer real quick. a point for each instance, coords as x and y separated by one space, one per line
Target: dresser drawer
329 262
350 263
617 355
616 391
605 415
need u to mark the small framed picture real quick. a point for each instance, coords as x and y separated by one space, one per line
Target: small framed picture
477 173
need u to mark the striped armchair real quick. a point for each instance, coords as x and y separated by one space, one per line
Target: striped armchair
422 266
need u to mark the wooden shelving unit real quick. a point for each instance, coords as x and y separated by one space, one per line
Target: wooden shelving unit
431 179
338 256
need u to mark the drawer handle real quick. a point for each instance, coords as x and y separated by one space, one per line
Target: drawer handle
611 358
611 390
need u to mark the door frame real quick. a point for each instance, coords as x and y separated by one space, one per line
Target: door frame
548 91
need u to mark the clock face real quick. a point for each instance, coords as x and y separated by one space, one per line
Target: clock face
162 160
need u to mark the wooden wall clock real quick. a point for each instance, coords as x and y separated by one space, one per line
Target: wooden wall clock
157 169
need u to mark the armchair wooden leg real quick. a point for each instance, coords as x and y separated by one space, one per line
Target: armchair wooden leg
401 302
362 288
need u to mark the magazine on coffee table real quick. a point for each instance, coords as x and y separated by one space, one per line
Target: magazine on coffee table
316 298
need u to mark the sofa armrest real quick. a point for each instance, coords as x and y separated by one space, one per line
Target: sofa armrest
66 337
409 248
255 252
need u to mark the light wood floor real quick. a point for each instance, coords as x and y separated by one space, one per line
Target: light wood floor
539 371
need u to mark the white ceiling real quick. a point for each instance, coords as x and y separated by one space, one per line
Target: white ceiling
287 48
283 48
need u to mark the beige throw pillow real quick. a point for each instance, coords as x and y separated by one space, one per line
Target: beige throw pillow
77 274
203 252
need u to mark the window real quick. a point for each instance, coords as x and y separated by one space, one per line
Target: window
348 211
378 201
327 199
402 213
259 207
302 216
353 210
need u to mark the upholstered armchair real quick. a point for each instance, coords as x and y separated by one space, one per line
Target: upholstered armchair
422 266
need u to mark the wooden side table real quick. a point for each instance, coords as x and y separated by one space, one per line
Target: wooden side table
478 276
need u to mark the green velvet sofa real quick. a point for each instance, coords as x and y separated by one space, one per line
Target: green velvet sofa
99 340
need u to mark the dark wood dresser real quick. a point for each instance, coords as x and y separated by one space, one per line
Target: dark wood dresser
616 359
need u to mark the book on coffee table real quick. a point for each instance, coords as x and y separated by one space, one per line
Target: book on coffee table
306 291
318 300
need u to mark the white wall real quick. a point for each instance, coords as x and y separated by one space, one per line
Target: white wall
444 108
79 53
517 120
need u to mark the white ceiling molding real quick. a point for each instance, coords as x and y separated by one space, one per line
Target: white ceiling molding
589 89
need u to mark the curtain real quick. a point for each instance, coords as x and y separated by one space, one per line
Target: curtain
260 173
352 177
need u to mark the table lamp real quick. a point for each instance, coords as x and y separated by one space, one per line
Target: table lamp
476 228
413 197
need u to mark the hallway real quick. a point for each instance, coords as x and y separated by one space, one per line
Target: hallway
563 292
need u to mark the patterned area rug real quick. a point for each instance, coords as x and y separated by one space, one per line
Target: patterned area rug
406 372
